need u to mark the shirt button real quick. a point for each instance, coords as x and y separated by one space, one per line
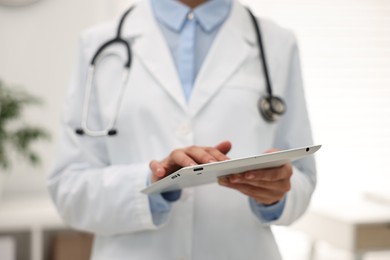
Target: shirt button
190 16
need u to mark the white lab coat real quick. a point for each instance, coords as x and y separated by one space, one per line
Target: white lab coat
96 182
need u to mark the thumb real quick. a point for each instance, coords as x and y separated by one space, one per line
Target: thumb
224 147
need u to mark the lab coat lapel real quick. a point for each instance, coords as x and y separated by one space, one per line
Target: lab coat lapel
151 49
230 49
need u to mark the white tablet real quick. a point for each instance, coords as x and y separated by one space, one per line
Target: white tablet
207 173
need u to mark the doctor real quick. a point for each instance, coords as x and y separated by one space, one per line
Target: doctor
191 97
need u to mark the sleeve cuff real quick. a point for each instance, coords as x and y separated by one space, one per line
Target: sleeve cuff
267 213
171 196
160 204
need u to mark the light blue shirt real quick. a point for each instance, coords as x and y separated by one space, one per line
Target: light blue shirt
189 34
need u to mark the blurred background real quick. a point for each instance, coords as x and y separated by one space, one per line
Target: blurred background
345 53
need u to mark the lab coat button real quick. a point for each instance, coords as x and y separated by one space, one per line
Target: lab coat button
190 16
184 130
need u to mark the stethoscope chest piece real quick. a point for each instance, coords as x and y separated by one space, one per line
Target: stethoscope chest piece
271 108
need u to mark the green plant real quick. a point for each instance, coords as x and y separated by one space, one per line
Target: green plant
14 133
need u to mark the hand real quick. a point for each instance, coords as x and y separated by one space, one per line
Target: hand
188 156
265 186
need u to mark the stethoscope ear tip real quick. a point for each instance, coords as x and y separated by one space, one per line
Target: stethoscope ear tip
112 132
79 131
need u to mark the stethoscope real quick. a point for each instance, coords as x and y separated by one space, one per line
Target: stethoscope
271 107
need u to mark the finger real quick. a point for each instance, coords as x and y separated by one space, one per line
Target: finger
281 185
198 155
217 154
261 195
203 155
224 147
270 174
179 158
157 169
256 178
176 160
255 192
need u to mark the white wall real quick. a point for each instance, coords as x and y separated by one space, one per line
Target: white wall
37 49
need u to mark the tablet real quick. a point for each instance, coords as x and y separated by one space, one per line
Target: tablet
209 172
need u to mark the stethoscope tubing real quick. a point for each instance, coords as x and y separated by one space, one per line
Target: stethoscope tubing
121 41
262 53
266 104
109 129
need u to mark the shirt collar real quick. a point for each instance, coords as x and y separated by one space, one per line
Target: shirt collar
209 15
